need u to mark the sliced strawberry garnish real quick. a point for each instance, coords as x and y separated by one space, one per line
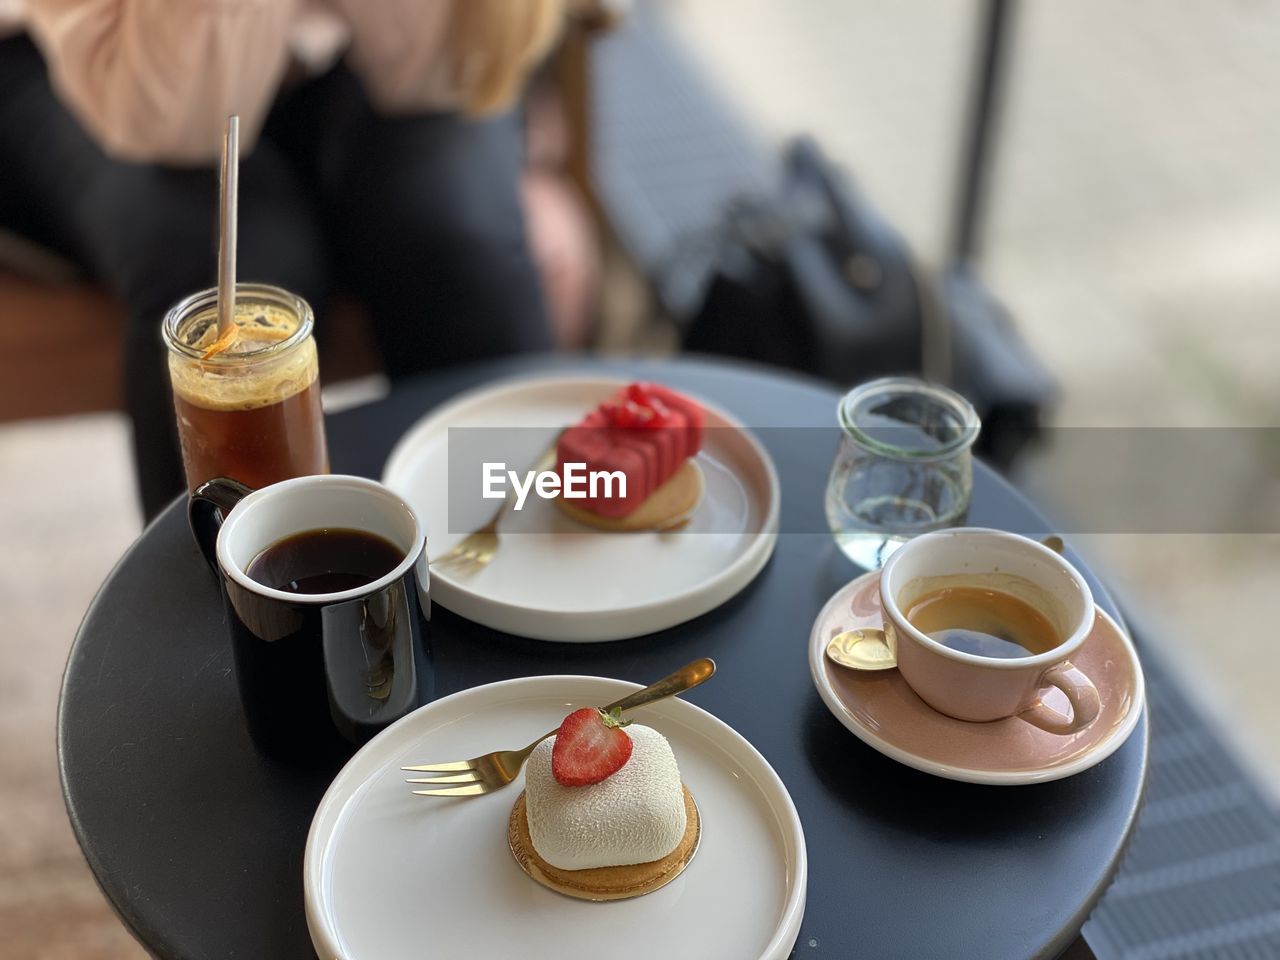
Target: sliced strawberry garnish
636 406
590 746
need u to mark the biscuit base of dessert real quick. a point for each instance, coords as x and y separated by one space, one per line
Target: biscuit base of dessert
604 883
667 508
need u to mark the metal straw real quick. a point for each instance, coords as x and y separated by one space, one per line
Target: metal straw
227 231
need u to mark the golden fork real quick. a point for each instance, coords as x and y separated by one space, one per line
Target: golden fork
476 549
492 771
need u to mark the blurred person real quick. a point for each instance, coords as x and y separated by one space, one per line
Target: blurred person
379 149
562 232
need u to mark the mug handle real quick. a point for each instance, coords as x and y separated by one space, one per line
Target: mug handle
1080 693
208 507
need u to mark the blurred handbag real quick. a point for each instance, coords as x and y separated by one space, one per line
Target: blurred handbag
814 279
991 366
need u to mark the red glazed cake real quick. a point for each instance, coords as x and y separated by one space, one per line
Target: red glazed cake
648 433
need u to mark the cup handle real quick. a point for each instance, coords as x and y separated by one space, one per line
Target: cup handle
208 507
1080 692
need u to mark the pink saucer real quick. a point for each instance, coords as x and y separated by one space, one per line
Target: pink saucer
884 712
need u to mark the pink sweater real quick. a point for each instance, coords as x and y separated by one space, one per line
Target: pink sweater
154 80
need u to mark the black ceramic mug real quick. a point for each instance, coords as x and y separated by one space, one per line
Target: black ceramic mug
313 666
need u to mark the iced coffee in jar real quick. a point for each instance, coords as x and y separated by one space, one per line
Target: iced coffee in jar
248 406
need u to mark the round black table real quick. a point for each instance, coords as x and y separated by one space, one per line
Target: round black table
197 839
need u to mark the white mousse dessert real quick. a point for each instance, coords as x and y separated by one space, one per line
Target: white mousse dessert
635 815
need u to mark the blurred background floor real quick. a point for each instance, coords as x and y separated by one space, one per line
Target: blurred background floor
68 515
1134 233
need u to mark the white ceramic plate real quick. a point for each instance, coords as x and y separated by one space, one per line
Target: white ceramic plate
392 876
552 578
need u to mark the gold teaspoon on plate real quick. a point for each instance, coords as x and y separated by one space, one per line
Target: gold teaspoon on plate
868 649
861 650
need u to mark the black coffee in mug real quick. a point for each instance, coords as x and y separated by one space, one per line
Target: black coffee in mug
325 561
327 592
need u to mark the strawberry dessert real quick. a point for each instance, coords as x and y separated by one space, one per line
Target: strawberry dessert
604 815
648 433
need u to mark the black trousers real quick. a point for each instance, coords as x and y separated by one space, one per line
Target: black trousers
418 216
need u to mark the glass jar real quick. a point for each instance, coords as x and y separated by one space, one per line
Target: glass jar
903 468
251 412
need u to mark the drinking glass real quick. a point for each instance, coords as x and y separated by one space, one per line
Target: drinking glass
251 412
903 468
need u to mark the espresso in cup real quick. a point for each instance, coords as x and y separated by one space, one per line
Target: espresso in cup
981 622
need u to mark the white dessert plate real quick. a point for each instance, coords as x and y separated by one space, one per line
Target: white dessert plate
885 713
554 579
392 876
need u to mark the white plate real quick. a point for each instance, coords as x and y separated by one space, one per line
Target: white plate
391 876
572 584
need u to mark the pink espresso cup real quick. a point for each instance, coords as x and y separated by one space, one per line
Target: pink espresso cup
972 687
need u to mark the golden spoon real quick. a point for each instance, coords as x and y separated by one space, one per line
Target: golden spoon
862 650
868 649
